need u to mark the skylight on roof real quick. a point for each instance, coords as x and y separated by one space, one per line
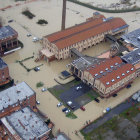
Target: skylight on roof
127 71
112 80
101 71
123 74
118 77
132 69
106 69
111 66
116 64
107 83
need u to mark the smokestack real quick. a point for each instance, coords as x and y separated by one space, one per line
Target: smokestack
63 15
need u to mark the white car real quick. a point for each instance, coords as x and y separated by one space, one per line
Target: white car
67 111
44 89
59 104
35 39
37 102
135 96
78 87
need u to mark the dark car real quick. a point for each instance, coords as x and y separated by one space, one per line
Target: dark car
36 69
64 109
10 20
114 95
97 100
128 86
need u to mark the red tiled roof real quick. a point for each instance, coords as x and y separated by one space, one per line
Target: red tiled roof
118 72
103 65
98 29
61 34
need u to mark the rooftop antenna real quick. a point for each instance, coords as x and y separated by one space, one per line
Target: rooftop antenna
63 15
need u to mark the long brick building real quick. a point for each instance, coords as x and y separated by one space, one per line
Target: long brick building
18 121
106 76
81 36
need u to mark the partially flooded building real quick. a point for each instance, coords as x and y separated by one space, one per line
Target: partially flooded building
4 73
81 37
8 40
25 124
15 98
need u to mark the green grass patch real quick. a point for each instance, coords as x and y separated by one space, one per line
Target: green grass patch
56 92
39 84
71 115
131 112
92 94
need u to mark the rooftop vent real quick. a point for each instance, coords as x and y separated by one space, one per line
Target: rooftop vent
112 80
123 74
132 69
111 66
118 77
116 64
107 83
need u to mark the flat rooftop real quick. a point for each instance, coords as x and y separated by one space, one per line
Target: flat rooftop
133 38
2 64
26 123
132 57
84 62
11 95
6 32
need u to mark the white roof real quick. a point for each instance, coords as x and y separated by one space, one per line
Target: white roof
11 95
27 124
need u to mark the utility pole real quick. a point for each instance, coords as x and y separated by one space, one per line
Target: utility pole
63 15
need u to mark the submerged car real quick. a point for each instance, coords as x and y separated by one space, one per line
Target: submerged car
59 104
78 87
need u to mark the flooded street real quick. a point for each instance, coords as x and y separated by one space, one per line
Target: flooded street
51 10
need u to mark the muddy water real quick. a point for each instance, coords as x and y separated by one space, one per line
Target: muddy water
51 11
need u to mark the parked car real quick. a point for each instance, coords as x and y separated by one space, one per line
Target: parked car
59 104
138 99
114 95
44 89
64 109
128 86
9 21
135 96
36 69
82 108
97 100
35 39
28 35
37 102
70 104
78 87
67 111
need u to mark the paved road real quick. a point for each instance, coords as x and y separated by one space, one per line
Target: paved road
115 111
73 94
